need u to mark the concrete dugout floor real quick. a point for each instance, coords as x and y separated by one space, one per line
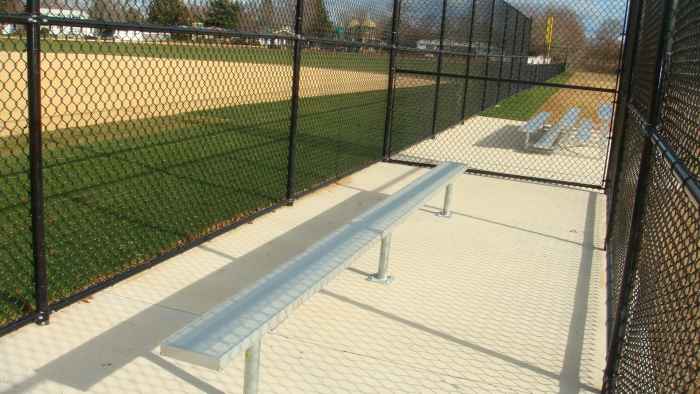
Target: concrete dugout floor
508 296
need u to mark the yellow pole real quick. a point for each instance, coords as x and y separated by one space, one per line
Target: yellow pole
550 32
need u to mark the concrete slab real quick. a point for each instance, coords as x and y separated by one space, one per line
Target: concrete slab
498 145
508 296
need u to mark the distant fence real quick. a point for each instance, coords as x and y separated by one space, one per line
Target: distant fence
131 133
653 233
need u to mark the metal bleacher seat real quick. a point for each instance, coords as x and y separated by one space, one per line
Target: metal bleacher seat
566 123
533 125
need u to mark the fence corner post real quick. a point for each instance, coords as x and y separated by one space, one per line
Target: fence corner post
36 188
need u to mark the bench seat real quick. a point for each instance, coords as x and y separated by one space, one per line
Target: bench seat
549 138
570 118
605 111
535 123
226 331
584 131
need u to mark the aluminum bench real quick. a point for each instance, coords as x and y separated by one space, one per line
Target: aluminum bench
570 118
549 138
605 114
238 324
605 111
533 125
584 131
566 123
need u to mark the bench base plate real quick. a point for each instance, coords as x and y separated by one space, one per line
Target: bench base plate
375 279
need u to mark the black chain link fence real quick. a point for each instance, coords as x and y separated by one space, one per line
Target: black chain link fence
134 130
145 128
519 89
653 235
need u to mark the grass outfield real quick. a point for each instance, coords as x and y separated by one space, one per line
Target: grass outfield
524 105
120 194
230 53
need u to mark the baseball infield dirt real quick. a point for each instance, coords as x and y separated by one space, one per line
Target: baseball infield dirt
81 89
588 101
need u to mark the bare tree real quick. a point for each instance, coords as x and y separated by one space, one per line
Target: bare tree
267 15
604 48
568 34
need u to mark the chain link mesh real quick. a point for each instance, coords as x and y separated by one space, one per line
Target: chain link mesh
682 101
661 348
16 268
342 111
479 118
147 152
625 192
646 55
659 345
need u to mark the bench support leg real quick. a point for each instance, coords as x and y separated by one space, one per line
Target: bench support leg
252 369
445 213
527 140
381 276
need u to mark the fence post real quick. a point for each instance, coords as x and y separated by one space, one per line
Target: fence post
392 78
653 117
503 50
512 51
469 58
488 55
36 186
619 132
522 53
296 71
439 67
621 112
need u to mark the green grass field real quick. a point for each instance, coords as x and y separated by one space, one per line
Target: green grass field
119 194
524 105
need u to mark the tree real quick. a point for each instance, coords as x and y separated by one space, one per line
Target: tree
318 22
568 34
604 48
133 15
168 12
106 10
11 6
267 14
224 14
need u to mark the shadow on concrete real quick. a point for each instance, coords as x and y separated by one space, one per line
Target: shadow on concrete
142 332
511 138
571 369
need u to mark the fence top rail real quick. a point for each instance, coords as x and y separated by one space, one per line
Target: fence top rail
226 331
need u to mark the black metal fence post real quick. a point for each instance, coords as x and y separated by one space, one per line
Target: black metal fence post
488 54
619 130
36 160
512 51
653 116
621 115
503 52
439 66
469 57
521 55
296 74
392 78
